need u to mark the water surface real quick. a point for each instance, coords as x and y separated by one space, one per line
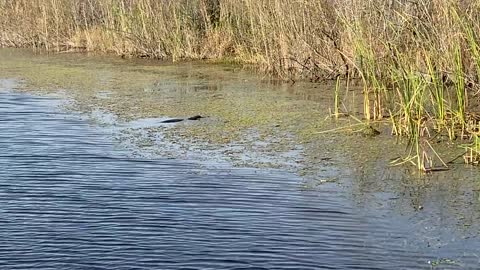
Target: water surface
75 195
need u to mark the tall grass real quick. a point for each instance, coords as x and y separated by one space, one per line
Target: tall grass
419 61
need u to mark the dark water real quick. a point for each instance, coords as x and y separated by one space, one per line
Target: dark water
72 199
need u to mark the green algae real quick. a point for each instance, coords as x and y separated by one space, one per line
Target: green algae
240 109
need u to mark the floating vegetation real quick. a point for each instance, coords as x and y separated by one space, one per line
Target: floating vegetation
442 261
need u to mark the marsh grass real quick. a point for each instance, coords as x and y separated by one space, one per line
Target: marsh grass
418 61
472 155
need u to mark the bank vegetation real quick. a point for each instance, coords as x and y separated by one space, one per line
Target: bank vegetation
417 61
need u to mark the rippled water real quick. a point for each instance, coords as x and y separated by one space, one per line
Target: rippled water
70 198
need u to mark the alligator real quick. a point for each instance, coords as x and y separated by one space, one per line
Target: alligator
176 120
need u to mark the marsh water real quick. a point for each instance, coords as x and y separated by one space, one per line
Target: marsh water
91 179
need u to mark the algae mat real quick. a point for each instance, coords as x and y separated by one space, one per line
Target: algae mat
249 120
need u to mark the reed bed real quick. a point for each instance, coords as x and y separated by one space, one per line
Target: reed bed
418 61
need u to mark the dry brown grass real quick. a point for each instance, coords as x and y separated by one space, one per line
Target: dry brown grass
282 36
314 38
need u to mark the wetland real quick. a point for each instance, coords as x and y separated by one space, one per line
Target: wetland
94 178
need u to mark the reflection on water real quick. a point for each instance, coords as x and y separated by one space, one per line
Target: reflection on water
74 197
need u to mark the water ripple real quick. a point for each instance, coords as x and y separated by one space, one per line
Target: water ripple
70 200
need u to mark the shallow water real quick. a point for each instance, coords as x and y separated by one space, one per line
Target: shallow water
75 195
